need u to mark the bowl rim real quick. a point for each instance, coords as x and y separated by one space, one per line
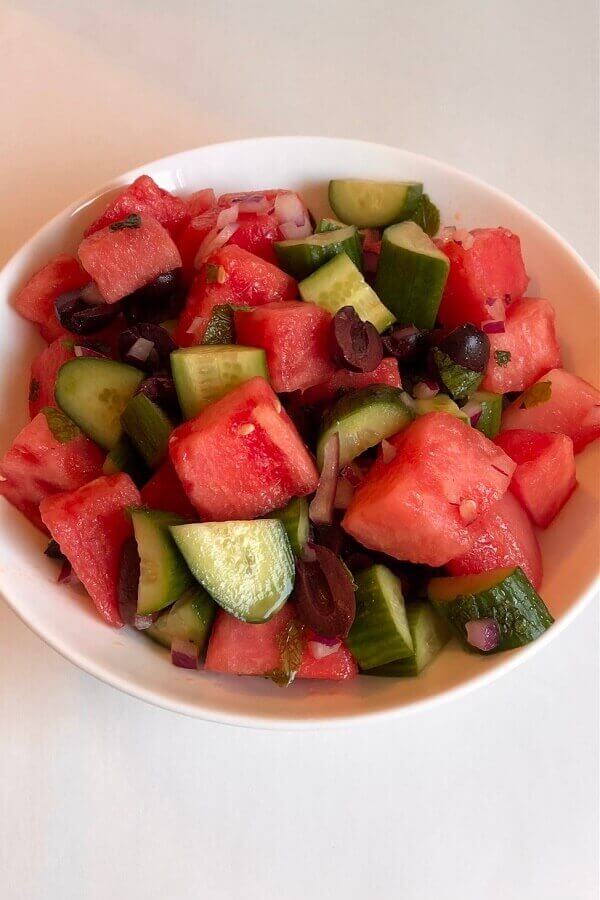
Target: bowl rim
295 722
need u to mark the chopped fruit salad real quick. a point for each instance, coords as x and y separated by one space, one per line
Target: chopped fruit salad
298 449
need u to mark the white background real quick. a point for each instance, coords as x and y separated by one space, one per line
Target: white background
494 795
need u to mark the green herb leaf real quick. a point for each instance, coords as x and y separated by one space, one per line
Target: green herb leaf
290 642
212 273
427 215
536 395
458 381
62 428
34 390
132 221
502 357
220 328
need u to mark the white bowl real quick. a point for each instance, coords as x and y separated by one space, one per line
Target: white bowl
66 619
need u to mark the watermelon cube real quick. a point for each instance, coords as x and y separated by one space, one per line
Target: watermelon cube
387 372
239 648
242 456
91 525
49 455
146 198
121 260
565 404
486 273
164 491
297 339
246 280
502 536
418 505
530 342
44 370
257 234
191 237
35 300
198 202
545 475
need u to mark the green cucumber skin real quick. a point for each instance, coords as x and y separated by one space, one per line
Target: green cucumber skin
328 225
490 420
148 428
458 381
440 403
410 284
124 458
400 203
303 257
294 518
355 405
189 619
94 392
520 612
164 575
380 632
430 634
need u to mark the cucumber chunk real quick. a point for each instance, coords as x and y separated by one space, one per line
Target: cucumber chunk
440 403
373 204
490 420
294 518
458 381
505 595
411 274
380 632
164 575
247 567
206 373
148 427
302 256
94 392
328 225
123 457
362 419
220 328
429 633
189 619
339 283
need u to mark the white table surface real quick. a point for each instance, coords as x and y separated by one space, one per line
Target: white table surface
494 795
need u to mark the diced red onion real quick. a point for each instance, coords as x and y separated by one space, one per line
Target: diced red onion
141 349
425 390
592 418
447 233
505 231
468 241
184 654
78 350
291 230
90 294
407 399
289 208
200 201
370 261
352 473
473 410
143 622
484 634
461 235
195 323
66 574
493 326
344 493
371 240
213 241
308 552
227 216
468 511
322 504
388 451
259 205
320 649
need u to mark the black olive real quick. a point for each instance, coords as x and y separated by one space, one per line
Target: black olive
129 579
468 347
324 593
405 343
161 390
80 317
159 301
158 357
358 345
53 551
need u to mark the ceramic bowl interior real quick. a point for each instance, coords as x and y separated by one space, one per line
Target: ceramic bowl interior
65 618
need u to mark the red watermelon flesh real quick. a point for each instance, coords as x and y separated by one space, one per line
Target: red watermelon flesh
486 273
191 237
297 339
91 525
44 370
35 300
123 260
240 648
573 408
545 475
419 504
502 536
248 281
146 198
530 339
198 202
38 465
164 491
257 234
387 372
242 456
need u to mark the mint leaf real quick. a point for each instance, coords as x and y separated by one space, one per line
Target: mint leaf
62 428
132 221
536 395
502 357
427 215
34 390
290 642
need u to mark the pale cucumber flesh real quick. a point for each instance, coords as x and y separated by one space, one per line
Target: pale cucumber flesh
164 576
380 632
373 204
429 633
148 428
302 256
204 374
